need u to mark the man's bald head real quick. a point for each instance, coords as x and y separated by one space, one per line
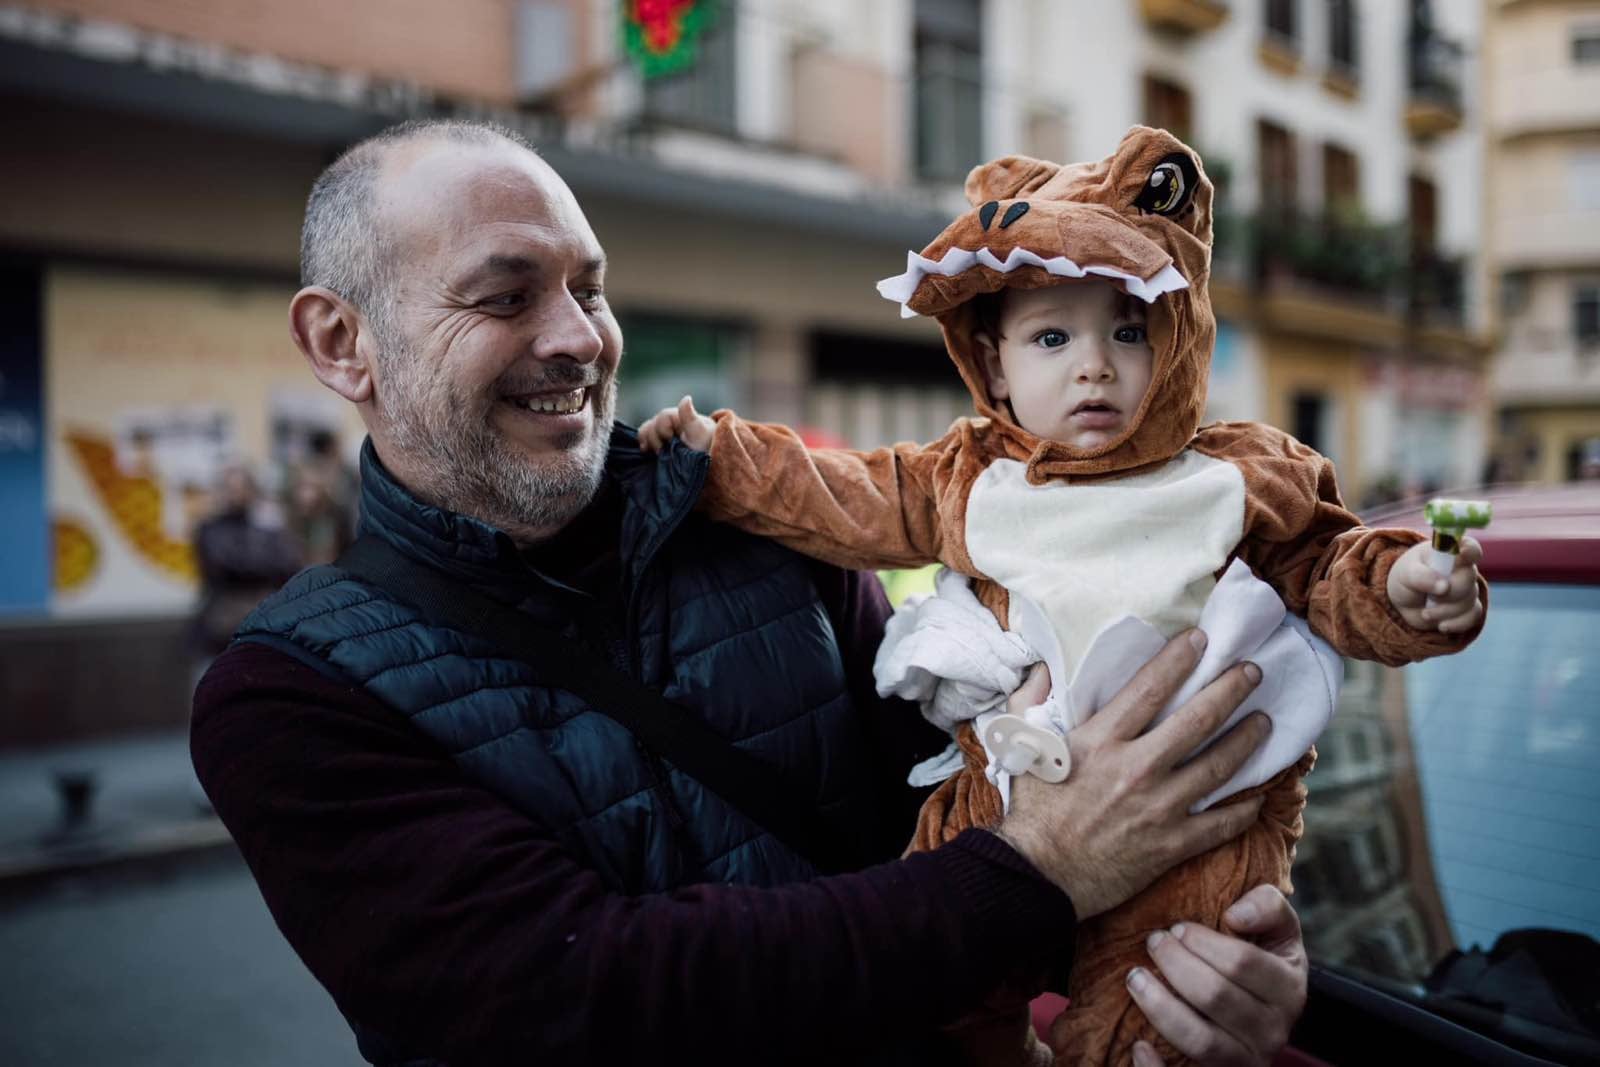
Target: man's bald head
343 245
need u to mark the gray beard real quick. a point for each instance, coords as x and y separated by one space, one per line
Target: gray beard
473 470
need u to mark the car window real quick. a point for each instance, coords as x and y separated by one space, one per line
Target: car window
1452 848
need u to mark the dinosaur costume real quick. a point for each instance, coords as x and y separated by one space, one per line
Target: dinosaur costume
1145 523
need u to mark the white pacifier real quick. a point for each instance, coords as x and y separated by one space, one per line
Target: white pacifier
1019 747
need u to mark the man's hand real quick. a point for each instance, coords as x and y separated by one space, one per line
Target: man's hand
1122 818
1233 1000
1455 608
682 422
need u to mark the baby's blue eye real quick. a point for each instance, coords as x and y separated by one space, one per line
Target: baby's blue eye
1129 335
1050 338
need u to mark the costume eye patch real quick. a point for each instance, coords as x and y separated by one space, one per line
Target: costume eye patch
1171 184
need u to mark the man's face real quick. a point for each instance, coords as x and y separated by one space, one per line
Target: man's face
1073 359
495 377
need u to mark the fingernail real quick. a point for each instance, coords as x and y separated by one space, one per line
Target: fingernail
1252 672
1178 931
1155 939
1440 586
1243 912
1138 979
1197 640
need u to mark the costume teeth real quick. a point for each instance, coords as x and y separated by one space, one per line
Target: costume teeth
902 287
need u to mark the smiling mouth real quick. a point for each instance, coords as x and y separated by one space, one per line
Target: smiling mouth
568 403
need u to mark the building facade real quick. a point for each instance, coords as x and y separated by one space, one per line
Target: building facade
1542 108
748 203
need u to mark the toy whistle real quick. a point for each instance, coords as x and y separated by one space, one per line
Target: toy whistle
1451 519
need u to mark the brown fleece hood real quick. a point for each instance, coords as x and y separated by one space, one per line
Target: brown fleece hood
1142 219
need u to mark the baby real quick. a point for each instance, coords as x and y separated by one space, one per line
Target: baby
1096 517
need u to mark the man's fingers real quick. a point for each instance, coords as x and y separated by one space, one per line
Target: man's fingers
1214 826
1257 971
1131 710
1203 716
1223 757
1180 1024
1215 995
1265 915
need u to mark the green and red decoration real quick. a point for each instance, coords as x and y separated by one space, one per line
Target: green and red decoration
661 35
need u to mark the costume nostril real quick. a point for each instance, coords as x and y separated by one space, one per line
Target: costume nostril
1013 213
986 212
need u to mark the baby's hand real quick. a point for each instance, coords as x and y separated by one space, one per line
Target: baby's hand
683 422
1455 606
1034 690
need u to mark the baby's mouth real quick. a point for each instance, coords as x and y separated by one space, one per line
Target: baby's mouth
1096 406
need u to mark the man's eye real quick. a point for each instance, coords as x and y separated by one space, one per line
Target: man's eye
1050 338
1129 335
589 296
504 300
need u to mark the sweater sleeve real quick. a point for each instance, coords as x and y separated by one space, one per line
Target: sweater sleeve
1301 540
439 915
862 510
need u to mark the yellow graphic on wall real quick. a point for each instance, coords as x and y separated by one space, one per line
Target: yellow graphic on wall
76 554
134 502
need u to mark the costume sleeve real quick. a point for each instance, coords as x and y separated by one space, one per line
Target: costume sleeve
861 510
1300 539
440 916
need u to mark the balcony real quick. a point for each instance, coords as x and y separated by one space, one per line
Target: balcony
1435 289
1433 105
1184 17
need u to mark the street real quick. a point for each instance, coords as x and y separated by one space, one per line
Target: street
178 967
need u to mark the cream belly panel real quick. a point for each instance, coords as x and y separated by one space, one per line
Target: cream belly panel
1087 554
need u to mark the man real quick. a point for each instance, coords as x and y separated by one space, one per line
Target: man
482 868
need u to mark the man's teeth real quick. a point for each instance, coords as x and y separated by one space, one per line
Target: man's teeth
560 404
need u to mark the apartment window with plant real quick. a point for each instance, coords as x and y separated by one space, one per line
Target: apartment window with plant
1168 106
1344 39
1283 24
703 96
948 46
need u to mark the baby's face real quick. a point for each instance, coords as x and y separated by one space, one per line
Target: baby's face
1072 359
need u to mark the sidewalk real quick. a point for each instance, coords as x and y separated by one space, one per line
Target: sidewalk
144 804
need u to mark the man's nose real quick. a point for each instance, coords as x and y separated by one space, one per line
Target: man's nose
568 332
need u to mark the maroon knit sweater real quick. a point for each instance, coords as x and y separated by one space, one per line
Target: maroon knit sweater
438 914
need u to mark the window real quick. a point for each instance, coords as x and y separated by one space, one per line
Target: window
1309 414
1279 174
1467 877
1586 44
705 95
670 355
1583 180
1586 314
1168 106
1282 23
869 391
949 87
1344 38
1341 179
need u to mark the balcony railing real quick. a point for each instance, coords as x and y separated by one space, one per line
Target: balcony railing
1184 16
1436 290
1434 104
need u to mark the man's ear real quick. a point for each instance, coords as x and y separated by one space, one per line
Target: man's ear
325 327
993 373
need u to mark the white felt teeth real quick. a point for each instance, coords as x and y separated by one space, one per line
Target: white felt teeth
901 287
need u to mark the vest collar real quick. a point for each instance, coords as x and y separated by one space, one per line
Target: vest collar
657 494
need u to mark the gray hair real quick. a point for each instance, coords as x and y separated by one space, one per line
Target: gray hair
342 247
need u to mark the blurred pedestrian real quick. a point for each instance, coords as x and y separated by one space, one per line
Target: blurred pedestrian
242 555
320 501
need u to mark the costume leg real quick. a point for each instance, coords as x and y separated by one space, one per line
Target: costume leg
1102 1022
